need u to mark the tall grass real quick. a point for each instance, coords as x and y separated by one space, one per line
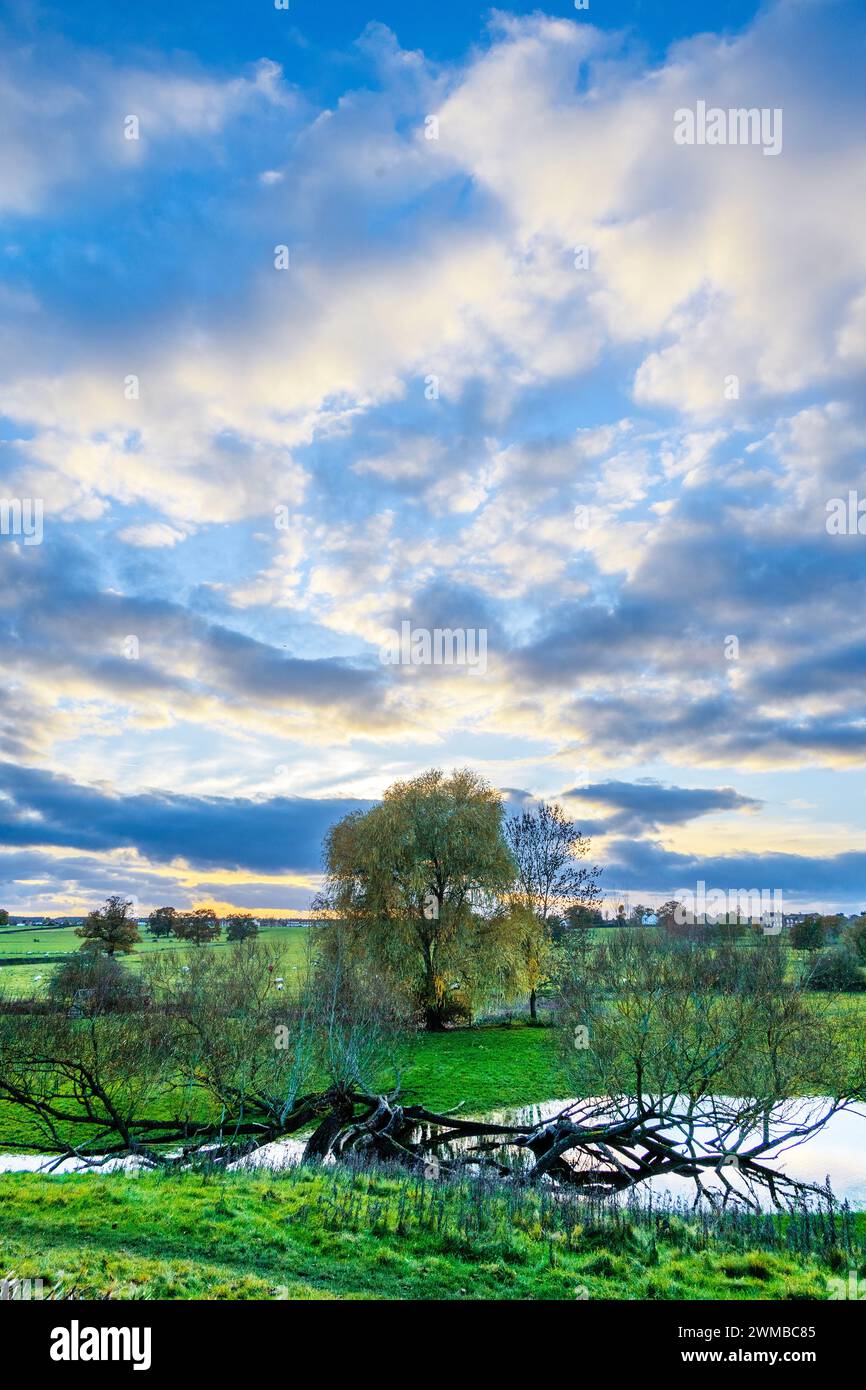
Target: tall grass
485 1214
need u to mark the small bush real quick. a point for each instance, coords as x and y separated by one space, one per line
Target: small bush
837 970
95 983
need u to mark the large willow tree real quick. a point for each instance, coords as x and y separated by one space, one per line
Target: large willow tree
412 891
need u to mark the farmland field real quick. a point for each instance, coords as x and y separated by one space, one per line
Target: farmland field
34 952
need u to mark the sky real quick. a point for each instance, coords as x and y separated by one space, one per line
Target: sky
319 321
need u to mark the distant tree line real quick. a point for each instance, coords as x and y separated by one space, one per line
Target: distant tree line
112 929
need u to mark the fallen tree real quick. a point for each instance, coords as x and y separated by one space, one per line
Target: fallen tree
583 1145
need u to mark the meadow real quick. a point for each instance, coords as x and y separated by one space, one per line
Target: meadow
29 956
344 1234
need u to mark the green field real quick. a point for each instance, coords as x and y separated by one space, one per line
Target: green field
486 1068
33 951
313 1234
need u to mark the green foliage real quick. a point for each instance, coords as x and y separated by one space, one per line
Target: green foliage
670 914
197 927
412 889
110 928
808 935
637 913
855 938
528 939
579 918
94 983
240 926
161 922
547 849
731 930
838 970
693 1017
834 926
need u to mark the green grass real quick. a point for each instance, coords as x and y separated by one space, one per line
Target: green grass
34 946
487 1068
313 1233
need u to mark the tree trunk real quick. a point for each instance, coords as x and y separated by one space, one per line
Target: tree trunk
434 1020
434 1013
533 1006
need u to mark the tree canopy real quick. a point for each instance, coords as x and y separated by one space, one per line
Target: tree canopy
240 926
416 886
199 926
110 928
161 921
808 935
551 881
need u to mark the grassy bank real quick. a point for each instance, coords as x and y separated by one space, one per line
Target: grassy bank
324 1234
487 1068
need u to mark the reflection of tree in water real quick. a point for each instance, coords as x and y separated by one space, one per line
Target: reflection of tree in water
728 1146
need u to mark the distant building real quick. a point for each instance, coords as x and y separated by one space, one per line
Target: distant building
791 919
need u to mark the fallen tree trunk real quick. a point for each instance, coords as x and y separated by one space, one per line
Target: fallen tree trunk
597 1153
595 1147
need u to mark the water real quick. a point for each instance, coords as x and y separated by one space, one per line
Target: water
282 1154
837 1152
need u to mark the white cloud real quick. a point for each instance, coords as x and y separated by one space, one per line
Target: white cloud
60 132
154 536
455 258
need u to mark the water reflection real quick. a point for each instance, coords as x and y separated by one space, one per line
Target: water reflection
837 1152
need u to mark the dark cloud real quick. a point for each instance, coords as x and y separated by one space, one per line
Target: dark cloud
445 604
278 835
646 657
37 881
576 638
721 728
648 867
58 621
829 669
641 807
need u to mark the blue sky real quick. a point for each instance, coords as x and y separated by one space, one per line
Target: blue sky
315 42
247 481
